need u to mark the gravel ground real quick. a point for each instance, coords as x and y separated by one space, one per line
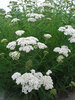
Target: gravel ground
71 96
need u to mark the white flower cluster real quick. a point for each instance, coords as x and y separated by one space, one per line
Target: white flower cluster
15 20
11 45
47 4
47 36
4 41
31 20
33 81
19 32
26 44
60 58
8 16
34 16
68 30
14 55
63 50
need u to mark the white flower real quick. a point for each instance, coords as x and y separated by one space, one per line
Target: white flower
60 58
14 55
69 31
68 26
15 20
32 81
32 71
26 44
49 19
47 5
47 36
62 29
63 50
48 72
41 45
4 41
16 75
57 49
47 82
72 40
39 75
35 15
8 16
19 32
27 41
27 48
11 45
31 20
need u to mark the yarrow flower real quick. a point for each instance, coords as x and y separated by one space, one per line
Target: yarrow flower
32 81
47 4
34 16
62 29
48 72
63 50
60 58
26 44
41 45
4 41
16 75
15 20
68 30
31 20
8 16
47 36
49 19
11 45
27 48
19 32
14 55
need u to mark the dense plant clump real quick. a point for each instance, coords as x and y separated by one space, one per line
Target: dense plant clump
37 48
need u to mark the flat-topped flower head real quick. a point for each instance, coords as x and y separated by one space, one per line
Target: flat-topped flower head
47 36
25 44
15 20
16 75
19 32
27 48
41 45
48 72
68 30
62 29
32 17
11 45
8 16
4 41
46 4
35 15
27 41
31 20
60 58
63 50
14 55
33 81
